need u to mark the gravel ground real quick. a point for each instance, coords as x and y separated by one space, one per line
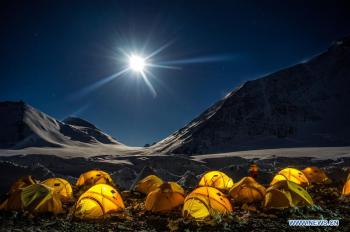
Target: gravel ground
329 205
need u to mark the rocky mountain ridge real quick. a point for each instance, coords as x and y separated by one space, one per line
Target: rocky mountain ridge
303 105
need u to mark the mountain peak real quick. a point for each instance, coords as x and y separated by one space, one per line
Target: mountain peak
75 121
24 126
303 105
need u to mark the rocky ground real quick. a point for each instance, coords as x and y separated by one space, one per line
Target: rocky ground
328 206
186 171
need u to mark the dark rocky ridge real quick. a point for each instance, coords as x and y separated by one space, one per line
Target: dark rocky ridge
74 121
304 105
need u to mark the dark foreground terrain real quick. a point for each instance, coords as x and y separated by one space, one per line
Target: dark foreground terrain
125 171
135 218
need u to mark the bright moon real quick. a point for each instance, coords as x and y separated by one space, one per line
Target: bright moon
137 63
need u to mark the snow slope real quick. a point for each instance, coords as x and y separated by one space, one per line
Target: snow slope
23 126
301 106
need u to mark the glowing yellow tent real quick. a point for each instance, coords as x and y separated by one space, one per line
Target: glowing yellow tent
176 187
247 190
13 202
165 198
148 184
61 187
35 198
346 188
217 180
22 182
94 177
315 175
285 194
98 202
291 174
204 202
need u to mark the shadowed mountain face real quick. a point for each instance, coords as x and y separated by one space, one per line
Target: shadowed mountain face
304 105
23 126
74 121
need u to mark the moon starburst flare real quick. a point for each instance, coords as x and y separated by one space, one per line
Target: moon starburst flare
141 65
137 63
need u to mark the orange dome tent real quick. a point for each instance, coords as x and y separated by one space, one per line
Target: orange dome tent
13 202
346 188
98 202
204 202
35 198
61 187
22 182
247 190
165 198
217 180
94 177
285 194
148 184
291 174
315 175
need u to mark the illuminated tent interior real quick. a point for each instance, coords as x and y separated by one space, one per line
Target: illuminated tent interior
315 175
61 188
148 184
204 202
98 202
285 194
35 198
217 180
247 190
166 197
291 174
94 177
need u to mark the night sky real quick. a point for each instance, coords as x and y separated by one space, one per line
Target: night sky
52 50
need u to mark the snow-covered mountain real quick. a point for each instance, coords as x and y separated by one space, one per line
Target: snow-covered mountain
23 126
304 105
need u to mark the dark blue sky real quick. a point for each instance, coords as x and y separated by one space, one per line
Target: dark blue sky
51 50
